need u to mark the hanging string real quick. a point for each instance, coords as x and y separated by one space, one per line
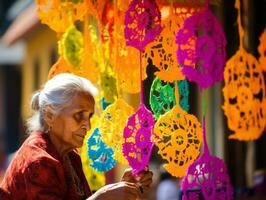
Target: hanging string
203 102
240 28
204 110
176 94
141 86
118 88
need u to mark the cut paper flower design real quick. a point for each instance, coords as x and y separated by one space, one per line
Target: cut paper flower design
96 7
123 59
90 58
61 66
71 46
162 97
137 144
112 123
208 176
183 90
177 135
95 179
104 104
187 3
162 51
244 93
108 84
201 49
142 23
60 15
99 153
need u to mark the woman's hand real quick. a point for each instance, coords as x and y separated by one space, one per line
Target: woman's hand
118 191
143 179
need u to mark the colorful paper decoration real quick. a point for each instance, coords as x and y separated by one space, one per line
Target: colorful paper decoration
162 50
95 179
187 3
177 135
108 84
99 153
183 90
262 50
201 48
104 103
123 5
60 15
96 8
90 66
137 146
123 58
142 23
208 174
112 122
61 66
244 93
127 67
71 46
162 97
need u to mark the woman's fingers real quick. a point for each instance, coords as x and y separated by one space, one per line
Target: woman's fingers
142 180
145 179
145 176
128 176
132 189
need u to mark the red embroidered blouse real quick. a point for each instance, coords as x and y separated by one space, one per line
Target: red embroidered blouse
37 172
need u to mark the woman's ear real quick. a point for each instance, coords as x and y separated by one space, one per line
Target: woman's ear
48 116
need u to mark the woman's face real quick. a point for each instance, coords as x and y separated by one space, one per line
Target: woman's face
69 127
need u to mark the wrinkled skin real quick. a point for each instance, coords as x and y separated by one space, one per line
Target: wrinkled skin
130 188
67 131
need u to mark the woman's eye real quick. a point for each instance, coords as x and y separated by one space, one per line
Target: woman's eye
90 116
78 117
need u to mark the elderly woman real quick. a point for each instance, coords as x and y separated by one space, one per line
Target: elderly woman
47 166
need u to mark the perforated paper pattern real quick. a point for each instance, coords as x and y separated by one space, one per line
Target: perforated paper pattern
108 84
178 138
244 92
207 176
95 179
61 66
96 7
59 15
142 23
137 144
112 123
71 46
183 90
162 97
162 51
100 155
90 60
201 49
125 64
187 3
244 96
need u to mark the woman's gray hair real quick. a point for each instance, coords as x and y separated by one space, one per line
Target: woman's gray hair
57 93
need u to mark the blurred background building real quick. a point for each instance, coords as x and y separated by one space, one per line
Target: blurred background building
28 49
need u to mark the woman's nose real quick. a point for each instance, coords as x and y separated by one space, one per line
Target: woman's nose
87 124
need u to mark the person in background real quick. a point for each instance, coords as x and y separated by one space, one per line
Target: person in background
47 166
168 188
